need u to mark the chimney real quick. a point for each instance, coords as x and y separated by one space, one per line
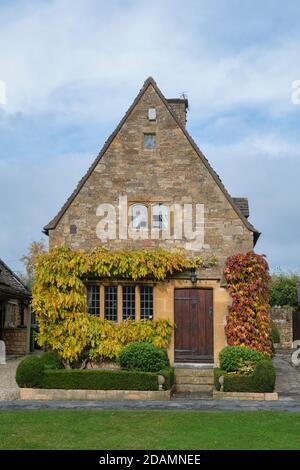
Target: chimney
179 106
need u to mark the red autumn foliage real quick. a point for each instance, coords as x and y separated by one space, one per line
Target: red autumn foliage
248 320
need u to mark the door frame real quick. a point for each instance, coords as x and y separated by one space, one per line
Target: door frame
196 361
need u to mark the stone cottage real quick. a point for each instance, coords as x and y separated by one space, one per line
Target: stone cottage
151 186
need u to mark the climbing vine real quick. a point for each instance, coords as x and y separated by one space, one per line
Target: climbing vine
248 320
60 304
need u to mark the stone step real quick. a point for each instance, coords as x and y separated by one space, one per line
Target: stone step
192 396
191 388
194 379
196 372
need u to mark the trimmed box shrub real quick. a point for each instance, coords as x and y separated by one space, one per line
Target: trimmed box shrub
76 379
233 358
30 372
144 357
262 380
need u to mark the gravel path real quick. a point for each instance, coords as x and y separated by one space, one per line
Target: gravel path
9 389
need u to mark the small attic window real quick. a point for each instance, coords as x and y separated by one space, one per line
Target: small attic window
152 114
149 141
73 229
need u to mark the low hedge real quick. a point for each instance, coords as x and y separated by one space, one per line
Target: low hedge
76 379
262 380
33 372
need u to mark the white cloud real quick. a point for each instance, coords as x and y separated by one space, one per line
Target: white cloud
264 146
77 57
81 62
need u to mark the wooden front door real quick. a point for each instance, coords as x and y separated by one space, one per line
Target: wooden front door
193 314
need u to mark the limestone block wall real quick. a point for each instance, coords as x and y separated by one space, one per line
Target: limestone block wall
283 319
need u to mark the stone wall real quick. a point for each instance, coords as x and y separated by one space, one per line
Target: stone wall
15 340
283 319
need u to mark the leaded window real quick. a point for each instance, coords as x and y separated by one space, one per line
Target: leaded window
146 302
111 303
149 141
160 216
93 298
128 302
139 215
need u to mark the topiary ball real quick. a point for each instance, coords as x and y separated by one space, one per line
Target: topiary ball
232 358
29 372
144 357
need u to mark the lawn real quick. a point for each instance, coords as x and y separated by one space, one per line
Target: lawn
95 429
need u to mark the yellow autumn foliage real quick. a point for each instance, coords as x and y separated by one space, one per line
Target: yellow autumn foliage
60 305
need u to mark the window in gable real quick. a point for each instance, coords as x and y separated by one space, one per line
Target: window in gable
149 141
152 114
139 216
160 217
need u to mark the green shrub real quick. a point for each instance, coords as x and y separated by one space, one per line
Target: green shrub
275 334
71 379
283 290
234 358
51 360
262 380
143 356
30 372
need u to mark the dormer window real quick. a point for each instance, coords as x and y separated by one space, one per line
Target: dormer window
149 141
152 114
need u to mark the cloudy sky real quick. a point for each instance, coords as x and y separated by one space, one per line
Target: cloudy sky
72 68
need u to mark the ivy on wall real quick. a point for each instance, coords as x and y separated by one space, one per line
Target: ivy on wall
248 320
60 304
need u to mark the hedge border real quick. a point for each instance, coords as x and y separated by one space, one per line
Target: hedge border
262 380
76 379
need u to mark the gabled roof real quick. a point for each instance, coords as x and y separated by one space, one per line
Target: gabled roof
150 81
10 283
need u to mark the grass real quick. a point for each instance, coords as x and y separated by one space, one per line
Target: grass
159 430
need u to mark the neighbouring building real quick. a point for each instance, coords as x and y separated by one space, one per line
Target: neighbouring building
15 317
151 168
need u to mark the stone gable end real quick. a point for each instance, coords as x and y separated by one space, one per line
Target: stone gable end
171 173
